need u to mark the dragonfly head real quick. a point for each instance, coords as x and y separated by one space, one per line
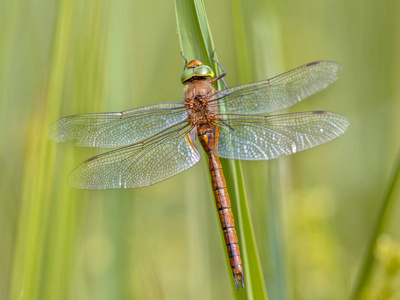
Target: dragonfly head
195 69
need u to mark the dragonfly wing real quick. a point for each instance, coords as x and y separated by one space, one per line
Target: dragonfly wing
116 129
263 138
139 165
279 92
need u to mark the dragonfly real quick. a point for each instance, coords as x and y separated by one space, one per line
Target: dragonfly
156 142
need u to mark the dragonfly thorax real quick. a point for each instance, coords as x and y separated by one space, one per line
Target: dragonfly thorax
197 97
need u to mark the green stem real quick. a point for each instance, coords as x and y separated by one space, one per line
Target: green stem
366 268
196 43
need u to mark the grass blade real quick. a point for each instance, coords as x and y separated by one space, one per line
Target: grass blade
35 216
196 43
381 221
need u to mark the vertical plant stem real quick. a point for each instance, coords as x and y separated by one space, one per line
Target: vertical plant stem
36 199
381 221
196 43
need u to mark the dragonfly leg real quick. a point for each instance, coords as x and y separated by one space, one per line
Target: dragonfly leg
186 62
223 72
219 118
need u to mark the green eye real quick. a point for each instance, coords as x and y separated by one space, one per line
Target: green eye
204 71
200 71
187 75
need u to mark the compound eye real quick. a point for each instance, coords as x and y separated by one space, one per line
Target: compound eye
199 72
204 71
187 75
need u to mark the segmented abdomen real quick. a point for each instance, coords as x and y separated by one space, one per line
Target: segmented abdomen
226 217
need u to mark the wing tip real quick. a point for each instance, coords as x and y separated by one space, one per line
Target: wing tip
326 62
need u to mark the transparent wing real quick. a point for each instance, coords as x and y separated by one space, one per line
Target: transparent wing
116 129
263 138
279 92
139 165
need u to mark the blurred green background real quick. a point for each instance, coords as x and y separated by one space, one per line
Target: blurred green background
313 212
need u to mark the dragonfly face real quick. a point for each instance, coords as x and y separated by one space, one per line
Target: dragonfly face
196 70
155 142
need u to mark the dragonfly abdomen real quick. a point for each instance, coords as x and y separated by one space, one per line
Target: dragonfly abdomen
226 217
